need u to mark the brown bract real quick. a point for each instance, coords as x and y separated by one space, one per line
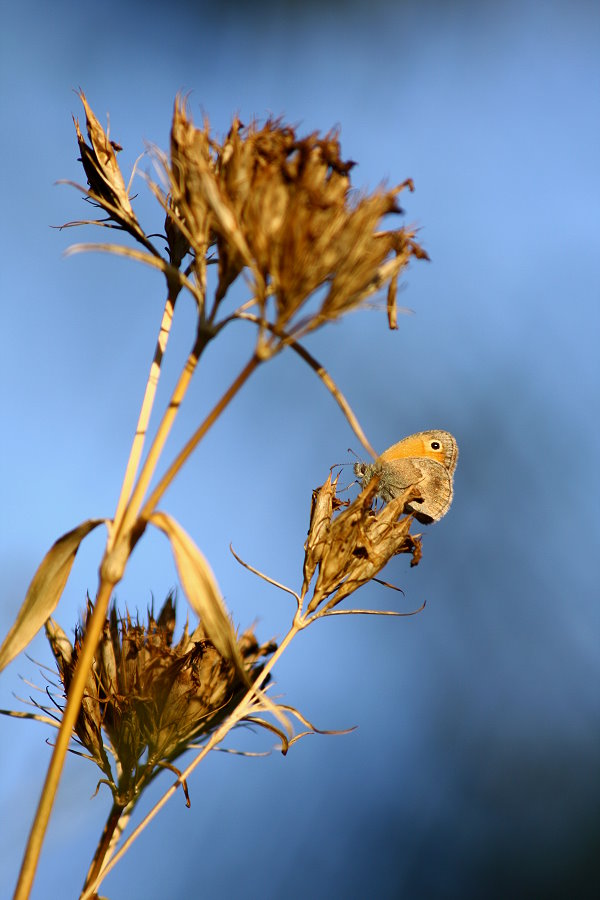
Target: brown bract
148 698
191 164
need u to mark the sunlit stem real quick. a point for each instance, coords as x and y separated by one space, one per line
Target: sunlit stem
155 498
164 429
323 374
145 412
71 711
94 627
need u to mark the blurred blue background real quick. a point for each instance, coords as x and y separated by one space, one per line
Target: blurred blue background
475 769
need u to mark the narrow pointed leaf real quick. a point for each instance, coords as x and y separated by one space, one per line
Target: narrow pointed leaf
201 588
45 590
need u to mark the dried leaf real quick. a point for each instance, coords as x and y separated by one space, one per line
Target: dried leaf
201 588
320 517
45 590
313 728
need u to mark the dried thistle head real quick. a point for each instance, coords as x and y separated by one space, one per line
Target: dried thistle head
147 698
349 549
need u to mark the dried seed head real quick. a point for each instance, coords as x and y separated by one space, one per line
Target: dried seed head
351 548
148 698
283 207
105 180
277 205
320 517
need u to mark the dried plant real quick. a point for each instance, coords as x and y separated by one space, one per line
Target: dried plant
281 210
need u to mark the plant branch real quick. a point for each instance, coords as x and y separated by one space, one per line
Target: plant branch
111 830
325 377
193 442
144 417
164 429
71 711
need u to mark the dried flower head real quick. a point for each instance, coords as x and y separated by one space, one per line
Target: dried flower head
283 207
351 548
147 699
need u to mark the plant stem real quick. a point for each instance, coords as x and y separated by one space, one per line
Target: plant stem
147 404
132 509
69 717
323 374
215 739
111 829
195 439
95 625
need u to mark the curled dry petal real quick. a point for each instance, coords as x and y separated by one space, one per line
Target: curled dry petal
177 242
190 159
60 643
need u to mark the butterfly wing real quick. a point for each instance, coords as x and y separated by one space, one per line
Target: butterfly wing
433 444
434 479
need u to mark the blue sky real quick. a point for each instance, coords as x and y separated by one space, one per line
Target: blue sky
476 753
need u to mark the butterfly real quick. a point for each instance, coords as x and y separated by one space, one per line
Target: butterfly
426 459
